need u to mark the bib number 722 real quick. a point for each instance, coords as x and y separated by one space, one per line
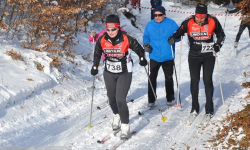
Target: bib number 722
207 47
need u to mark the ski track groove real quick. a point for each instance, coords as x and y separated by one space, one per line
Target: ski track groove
36 105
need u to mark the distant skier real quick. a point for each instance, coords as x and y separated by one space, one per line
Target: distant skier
116 45
134 4
154 3
200 29
243 25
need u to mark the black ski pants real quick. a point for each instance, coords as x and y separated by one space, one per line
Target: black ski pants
152 14
167 67
207 64
241 29
117 85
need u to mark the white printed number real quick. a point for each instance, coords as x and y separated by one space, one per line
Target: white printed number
114 67
207 47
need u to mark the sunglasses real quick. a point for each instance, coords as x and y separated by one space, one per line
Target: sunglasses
111 29
158 15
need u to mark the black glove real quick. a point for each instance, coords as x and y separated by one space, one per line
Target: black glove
143 61
94 71
171 40
147 47
217 47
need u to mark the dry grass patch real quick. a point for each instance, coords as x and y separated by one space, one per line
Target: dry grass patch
236 133
15 55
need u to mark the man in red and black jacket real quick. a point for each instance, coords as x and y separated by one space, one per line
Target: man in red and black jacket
200 29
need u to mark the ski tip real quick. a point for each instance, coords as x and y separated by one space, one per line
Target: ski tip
140 113
89 127
188 124
177 106
133 132
100 142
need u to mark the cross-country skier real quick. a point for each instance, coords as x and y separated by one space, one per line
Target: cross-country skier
200 29
116 46
155 36
243 25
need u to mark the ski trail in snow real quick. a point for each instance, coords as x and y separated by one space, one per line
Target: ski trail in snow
27 111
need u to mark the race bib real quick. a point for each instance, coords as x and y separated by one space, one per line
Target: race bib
114 67
207 47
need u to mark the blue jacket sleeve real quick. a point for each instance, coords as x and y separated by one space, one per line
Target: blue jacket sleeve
146 38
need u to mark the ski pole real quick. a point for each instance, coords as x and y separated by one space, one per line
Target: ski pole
163 118
93 47
178 90
178 93
93 87
218 71
225 21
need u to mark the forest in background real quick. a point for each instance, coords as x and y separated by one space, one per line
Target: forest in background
52 25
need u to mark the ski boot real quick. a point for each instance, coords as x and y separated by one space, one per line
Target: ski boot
116 122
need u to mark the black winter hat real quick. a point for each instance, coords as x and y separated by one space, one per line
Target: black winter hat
201 9
160 9
112 19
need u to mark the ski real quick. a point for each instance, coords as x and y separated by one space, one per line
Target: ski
119 143
145 110
103 105
235 52
107 137
150 108
206 121
131 100
107 104
190 120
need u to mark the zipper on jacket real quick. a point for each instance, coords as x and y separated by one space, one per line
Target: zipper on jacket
200 40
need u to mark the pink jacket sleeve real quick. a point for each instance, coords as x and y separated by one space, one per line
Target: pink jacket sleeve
98 35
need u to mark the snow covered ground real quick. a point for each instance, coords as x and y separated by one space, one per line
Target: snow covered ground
50 109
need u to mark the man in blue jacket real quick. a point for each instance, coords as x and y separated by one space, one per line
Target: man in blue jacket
155 36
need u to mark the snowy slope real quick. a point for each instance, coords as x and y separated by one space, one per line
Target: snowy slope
53 109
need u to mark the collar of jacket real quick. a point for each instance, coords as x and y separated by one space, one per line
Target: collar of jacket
117 39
